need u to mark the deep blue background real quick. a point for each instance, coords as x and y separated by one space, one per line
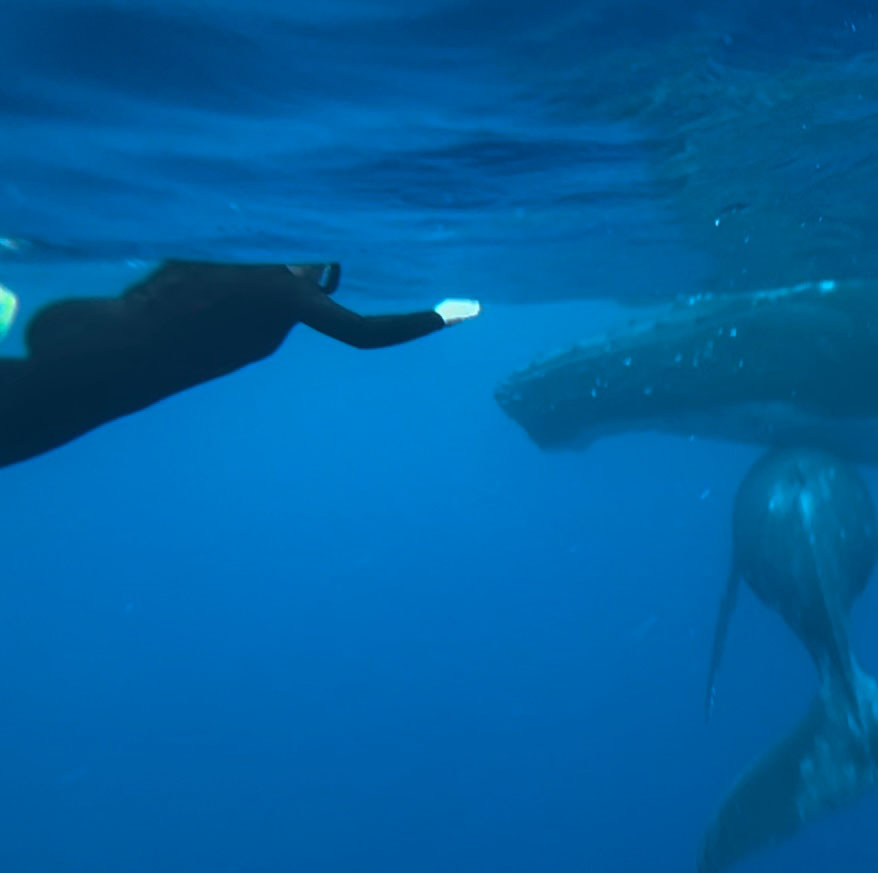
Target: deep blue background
335 612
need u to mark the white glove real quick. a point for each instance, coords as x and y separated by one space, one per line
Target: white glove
454 311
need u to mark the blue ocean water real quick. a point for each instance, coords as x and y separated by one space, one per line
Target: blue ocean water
334 611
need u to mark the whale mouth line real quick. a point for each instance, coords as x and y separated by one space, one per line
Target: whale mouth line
758 424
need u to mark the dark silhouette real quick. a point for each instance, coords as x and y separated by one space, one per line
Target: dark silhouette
92 360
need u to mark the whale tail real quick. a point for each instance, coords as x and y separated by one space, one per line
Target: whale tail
825 763
726 608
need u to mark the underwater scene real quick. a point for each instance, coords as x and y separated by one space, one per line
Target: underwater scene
439 435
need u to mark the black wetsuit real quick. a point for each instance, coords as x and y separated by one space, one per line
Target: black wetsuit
92 360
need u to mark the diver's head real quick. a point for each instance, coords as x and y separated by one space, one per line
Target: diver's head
324 276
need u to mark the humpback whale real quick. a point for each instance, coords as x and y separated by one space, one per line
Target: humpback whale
785 367
804 537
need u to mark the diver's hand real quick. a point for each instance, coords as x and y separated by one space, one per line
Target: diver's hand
454 311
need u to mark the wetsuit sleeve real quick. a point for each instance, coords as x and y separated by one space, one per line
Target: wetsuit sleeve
323 314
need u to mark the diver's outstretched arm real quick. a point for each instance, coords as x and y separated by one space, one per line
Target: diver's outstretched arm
322 313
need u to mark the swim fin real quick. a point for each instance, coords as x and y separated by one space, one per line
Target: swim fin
8 310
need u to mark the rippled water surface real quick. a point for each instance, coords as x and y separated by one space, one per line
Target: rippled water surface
524 151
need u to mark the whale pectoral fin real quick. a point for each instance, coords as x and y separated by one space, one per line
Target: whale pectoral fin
834 654
822 765
726 608
840 660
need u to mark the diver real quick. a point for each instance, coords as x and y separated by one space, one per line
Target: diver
95 359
